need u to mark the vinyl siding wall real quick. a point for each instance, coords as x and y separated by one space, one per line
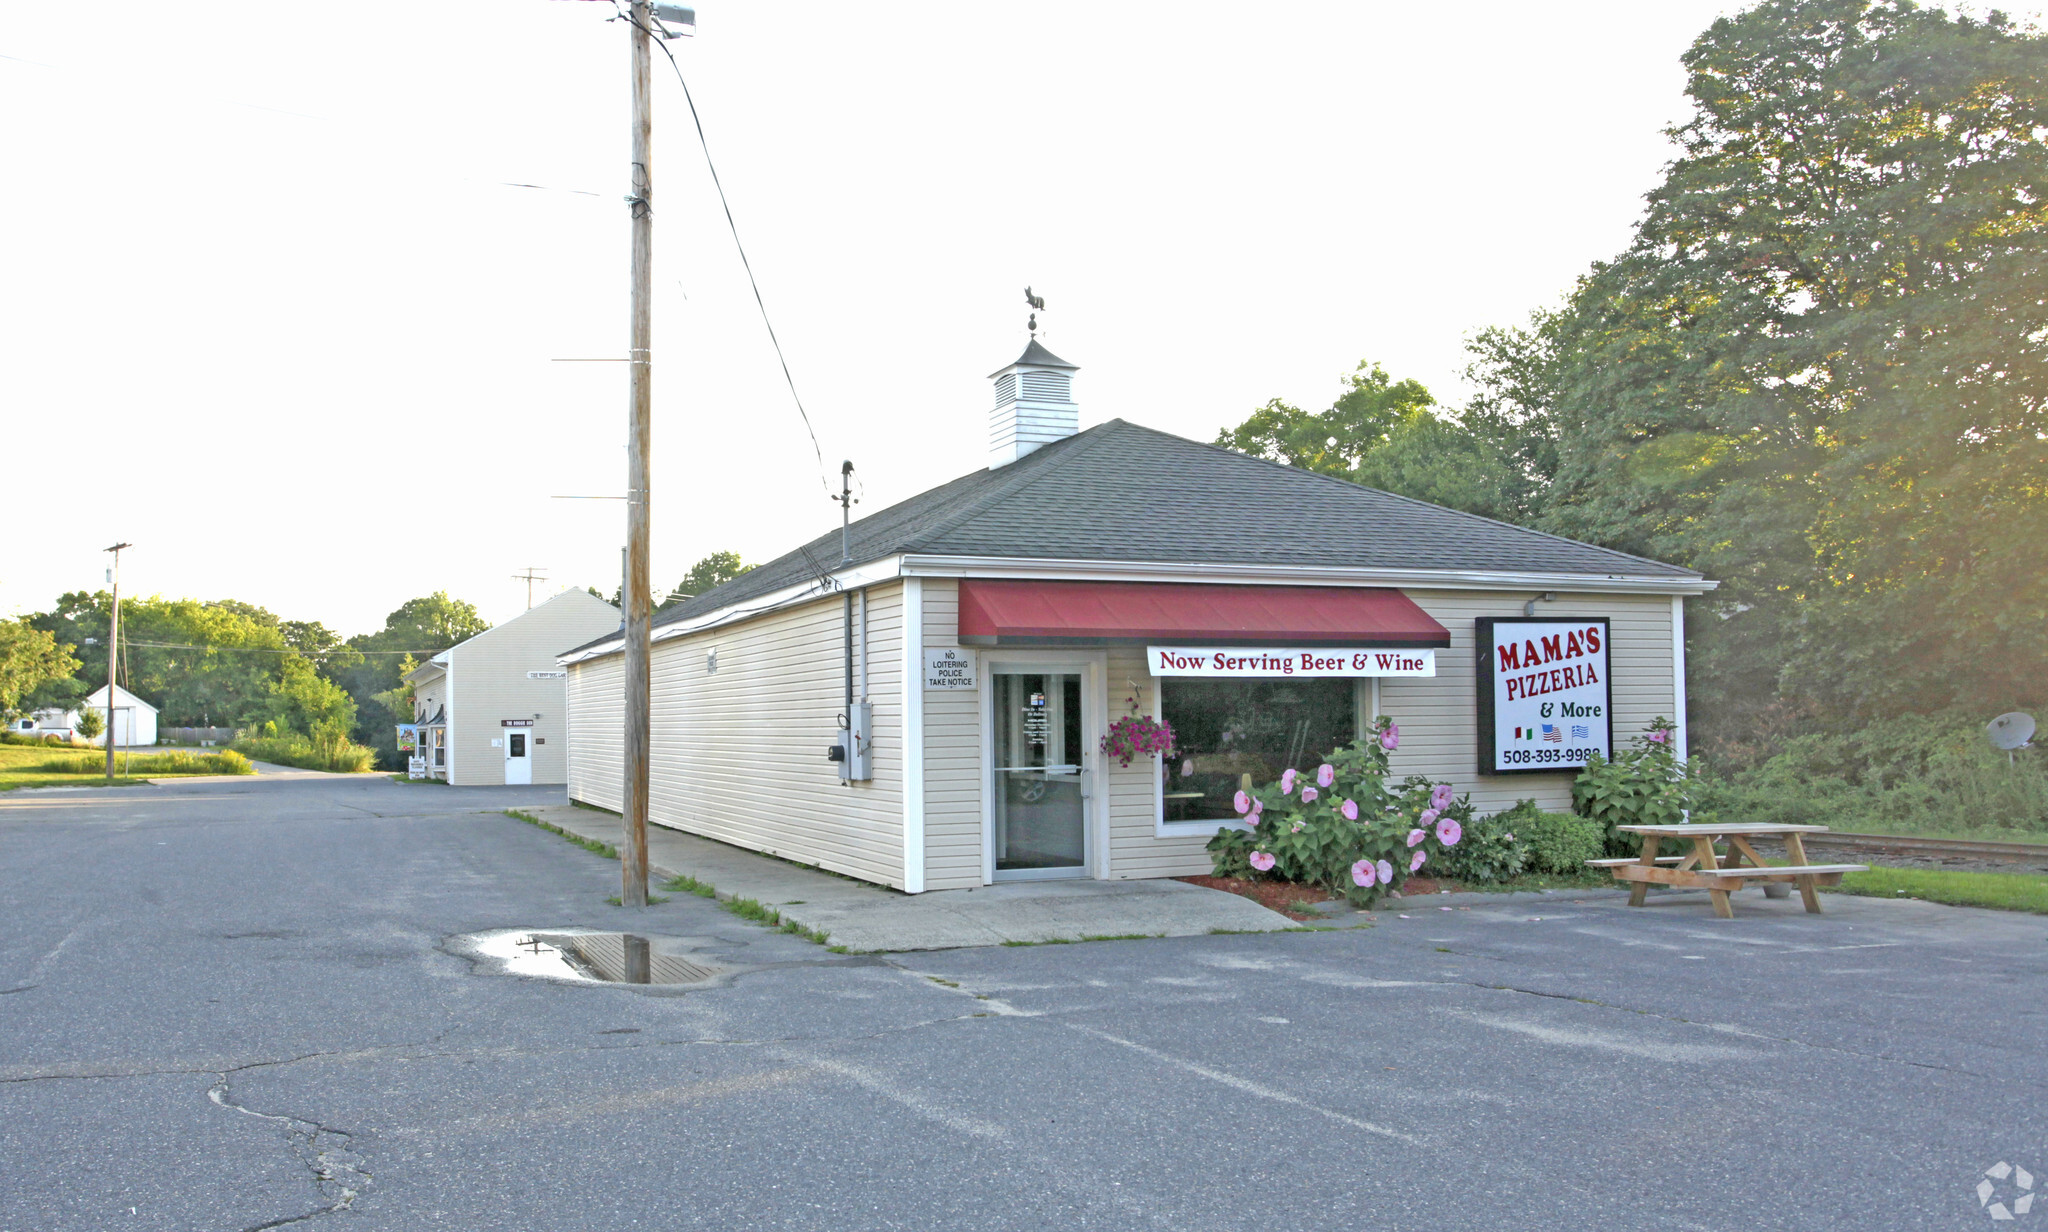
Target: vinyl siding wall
739 754
489 684
596 711
1438 718
953 770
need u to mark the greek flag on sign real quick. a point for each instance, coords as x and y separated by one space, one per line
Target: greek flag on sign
1553 734
1578 731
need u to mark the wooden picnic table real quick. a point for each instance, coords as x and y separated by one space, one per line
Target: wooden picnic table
1703 869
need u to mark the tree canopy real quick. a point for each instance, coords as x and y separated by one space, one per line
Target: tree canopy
714 570
1819 372
31 659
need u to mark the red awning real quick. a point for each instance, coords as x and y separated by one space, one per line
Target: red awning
1012 613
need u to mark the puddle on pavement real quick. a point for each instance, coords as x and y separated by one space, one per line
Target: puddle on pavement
590 957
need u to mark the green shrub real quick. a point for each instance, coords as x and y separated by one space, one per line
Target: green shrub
1558 843
1644 785
1340 827
1932 773
331 751
1491 852
55 741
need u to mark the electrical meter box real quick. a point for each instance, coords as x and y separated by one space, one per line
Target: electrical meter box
857 764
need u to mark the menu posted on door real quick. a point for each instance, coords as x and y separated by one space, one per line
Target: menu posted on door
1544 698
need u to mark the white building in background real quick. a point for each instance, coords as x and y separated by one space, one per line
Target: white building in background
134 720
493 709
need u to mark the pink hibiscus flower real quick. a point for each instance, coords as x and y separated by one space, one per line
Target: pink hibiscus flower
1258 806
1657 737
1448 832
1309 794
1390 739
1415 861
1350 810
1428 817
1364 875
1242 803
1416 836
1442 796
1286 782
1262 860
1326 774
1386 872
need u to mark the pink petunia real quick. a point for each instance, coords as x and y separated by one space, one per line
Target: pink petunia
1309 794
1428 817
1242 803
1364 875
1390 739
1448 832
1415 837
1263 861
1415 861
1350 810
1326 774
1286 782
1386 872
1442 796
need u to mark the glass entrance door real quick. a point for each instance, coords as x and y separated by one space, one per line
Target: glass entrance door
1039 813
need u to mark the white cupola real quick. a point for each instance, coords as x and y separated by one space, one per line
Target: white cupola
1034 405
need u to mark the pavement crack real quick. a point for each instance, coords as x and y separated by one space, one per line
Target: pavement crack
329 1154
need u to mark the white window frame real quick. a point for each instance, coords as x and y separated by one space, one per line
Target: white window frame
1366 696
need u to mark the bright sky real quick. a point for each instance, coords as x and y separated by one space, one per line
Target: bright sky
271 313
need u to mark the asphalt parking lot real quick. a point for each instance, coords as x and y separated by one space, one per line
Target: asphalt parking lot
237 1005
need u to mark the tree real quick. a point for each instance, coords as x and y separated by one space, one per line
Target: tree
414 631
91 721
194 661
1386 434
714 570
1820 371
31 660
303 701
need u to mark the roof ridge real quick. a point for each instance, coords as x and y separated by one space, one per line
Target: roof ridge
1355 486
1017 482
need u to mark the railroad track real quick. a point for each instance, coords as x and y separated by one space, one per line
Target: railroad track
1960 848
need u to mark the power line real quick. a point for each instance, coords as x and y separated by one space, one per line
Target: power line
759 302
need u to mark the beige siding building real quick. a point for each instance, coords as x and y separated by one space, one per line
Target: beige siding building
932 715
493 709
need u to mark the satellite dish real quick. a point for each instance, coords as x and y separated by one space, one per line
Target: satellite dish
2011 731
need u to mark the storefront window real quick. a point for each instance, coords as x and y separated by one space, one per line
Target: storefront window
1226 730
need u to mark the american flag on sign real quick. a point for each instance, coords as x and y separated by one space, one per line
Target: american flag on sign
1553 734
1578 732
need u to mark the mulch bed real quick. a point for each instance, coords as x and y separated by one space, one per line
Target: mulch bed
1280 896
1295 901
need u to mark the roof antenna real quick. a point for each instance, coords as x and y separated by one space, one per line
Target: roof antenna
1037 303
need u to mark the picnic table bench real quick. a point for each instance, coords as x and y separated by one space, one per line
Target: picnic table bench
1703 869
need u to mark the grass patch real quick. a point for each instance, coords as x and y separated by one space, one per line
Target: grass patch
36 765
2000 891
403 777
687 884
335 755
653 900
590 845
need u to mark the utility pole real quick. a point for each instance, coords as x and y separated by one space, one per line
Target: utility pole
639 443
113 648
530 578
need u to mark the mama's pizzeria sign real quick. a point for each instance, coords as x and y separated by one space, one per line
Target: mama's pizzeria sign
1260 661
1544 700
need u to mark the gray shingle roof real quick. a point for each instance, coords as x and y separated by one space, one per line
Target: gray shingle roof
1122 492
1035 356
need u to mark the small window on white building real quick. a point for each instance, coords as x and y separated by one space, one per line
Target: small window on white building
1225 730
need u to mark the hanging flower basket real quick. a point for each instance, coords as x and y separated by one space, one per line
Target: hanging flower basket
1135 736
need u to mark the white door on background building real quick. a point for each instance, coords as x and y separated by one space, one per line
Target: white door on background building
518 755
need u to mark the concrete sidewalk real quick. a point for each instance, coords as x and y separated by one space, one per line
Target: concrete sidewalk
870 918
